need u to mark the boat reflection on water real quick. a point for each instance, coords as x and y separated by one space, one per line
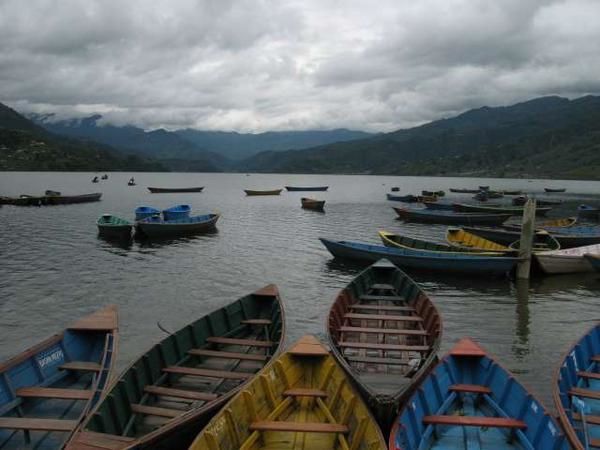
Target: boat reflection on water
115 242
156 242
521 347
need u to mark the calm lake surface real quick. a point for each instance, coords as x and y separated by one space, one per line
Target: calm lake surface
54 268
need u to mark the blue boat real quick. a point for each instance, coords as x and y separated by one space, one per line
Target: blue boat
157 227
469 401
450 217
47 389
177 212
141 212
588 212
419 259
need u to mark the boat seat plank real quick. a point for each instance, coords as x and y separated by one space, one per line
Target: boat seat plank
595 358
595 443
382 286
383 317
197 372
81 366
308 346
475 421
392 347
234 341
155 411
383 308
90 440
348 329
256 322
374 360
585 393
180 393
471 388
302 427
105 319
391 298
26 423
304 392
227 355
44 392
592 375
591 419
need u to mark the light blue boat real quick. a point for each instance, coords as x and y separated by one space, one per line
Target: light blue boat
177 212
421 259
141 212
471 402
576 391
47 389
156 227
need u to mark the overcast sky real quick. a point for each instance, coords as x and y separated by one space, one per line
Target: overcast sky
254 66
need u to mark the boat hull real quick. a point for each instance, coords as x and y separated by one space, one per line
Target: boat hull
153 227
307 188
258 193
570 260
46 200
157 190
514 211
450 218
316 205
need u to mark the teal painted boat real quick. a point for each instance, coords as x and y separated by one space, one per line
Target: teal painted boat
109 225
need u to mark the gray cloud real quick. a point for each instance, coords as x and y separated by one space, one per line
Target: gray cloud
292 64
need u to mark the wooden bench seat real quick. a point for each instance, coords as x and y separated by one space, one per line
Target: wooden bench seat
25 423
234 341
383 317
256 322
81 366
389 347
304 392
382 308
591 375
44 392
585 393
180 393
595 358
382 287
155 411
348 329
90 440
471 388
391 298
210 373
591 419
302 427
227 355
475 421
375 360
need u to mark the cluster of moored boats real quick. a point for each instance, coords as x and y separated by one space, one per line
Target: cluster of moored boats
226 381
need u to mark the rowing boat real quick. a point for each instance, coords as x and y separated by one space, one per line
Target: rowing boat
311 203
555 190
165 397
464 191
177 212
469 401
459 238
512 210
576 391
569 260
45 200
157 190
109 225
306 188
271 192
411 198
47 389
449 217
563 222
156 227
463 263
398 241
302 401
542 242
385 332
143 212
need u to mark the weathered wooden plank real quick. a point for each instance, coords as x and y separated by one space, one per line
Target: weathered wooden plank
586 393
590 419
374 360
180 393
382 286
391 298
256 322
475 421
25 423
377 346
301 427
304 392
471 388
382 308
348 329
197 372
155 411
590 375
81 366
383 317
308 346
44 392
227 355
234 341
105 319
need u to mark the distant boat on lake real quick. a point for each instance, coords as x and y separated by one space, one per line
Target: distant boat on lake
311 203
157 190
306 188
250 192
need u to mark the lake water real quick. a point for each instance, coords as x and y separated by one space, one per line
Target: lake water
54 268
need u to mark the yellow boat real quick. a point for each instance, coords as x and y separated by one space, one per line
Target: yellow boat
409 243
301 401
562 222
459 238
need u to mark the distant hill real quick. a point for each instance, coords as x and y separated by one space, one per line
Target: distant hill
27 146
548 136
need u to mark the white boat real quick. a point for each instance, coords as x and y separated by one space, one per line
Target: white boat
570 260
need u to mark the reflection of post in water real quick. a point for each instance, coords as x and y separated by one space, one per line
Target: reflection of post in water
521 343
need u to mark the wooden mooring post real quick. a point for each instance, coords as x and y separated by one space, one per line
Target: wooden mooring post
526 242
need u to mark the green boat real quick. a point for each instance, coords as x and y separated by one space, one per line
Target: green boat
109 225
170 392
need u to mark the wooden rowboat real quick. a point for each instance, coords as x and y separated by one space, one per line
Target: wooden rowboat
470 401
463 263
512 210
542 242
143 212
165 397
563 222
450 217
109 225
411 198
569 260
47 389
555 190
306 188
157 227
45 200
302 401
464 191
385 331
576 391
400 241
311 203
157 190
177 212
462 239
271 192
